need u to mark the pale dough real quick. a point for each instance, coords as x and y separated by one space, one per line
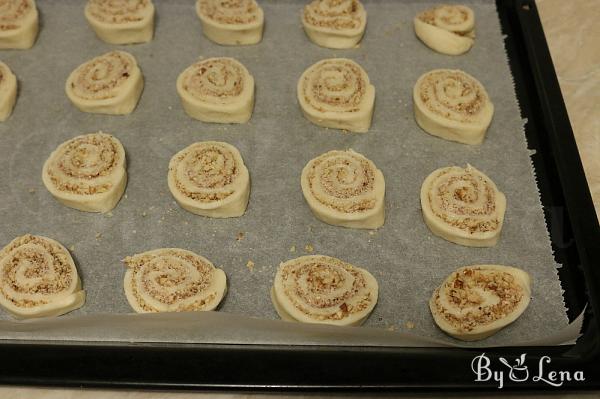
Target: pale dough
8 91
347 295
463 206
121 21
344 188
476 301
20 24
209 178
108 84
87 172
219 90
38 278
231 23
453 105
172 280
447 29
337 93
334 23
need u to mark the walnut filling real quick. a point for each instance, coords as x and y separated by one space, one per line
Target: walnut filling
176 279
466 200
448 16
468 308
340 15
12 11
118 11
216 80
32 266
453 95
326 288
102 77
230 12
84 165
335 86
343 181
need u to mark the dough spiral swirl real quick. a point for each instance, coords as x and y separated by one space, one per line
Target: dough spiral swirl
335 23
121 21
108 84
19 24
337 93
87 172
8 91
475 302
209 178
38 278
344 188
453 105
322 289
463 206
217 90
231 22
172 280
447 29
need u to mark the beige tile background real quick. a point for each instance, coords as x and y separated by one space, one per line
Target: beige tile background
573 34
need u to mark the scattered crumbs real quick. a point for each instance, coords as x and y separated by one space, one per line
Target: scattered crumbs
240 236
109 215
250 265
144 214
310 229
162 218
410 325
186 222
391 328
170 108
98 236
293 248
125 196
309 248
31 190
134 231
372 232
72 248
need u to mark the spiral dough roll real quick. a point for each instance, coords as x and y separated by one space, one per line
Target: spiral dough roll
219 90
121 21
19 24
476 301
210 179
336 93
8 91
447 29
463 206
322 289
335 23
172 280
87 172
38 278
453 105
109 84
231 22
344 188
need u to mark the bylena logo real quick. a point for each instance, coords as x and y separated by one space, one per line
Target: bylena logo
519 372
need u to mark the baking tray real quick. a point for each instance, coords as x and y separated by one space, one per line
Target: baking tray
573 229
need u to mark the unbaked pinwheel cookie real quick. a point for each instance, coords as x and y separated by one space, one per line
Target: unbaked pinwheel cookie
453 105
231 22
219 90
209 178
335 23
344 188
121 21
325 290
172 280
87 172
447 29
336 93
8 91
38 278
109 84
18 24
476 301
463 206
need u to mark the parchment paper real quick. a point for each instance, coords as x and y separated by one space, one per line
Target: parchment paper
407 260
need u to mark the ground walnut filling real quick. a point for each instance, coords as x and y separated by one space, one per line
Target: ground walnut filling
12 12
334 14
215 81
467 310
230 12
34 267
118 12
101 78
334 87
450 15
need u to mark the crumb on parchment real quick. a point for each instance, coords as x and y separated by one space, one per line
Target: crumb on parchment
72 248
293 248
309 248
239 236
31 190
250 265
409 324
98 236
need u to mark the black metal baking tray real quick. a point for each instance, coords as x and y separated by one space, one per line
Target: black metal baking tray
575 235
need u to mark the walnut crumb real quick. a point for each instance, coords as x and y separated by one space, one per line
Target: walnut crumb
250 265
144 214
98 236
372 232
239 236
293 248
410 325
72 248
309 248
31 190
391 328
109 215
